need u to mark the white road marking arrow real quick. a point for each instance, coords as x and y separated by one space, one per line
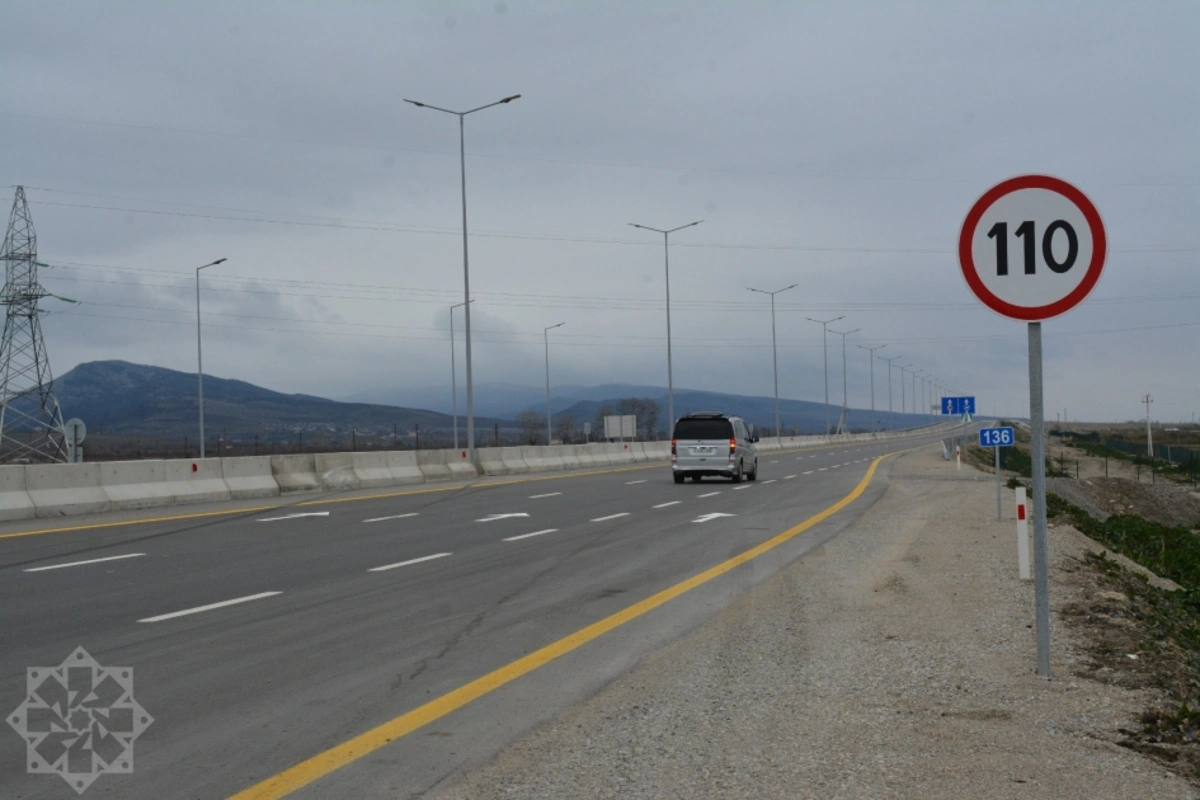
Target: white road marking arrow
711 517
296 516
494 517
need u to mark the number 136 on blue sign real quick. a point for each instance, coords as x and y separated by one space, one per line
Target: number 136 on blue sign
996 437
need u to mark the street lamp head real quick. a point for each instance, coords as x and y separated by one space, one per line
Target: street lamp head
552 327
415 103
219 261
510 99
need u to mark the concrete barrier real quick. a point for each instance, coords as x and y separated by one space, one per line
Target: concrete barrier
433 465
372 470
657 451
63 489
593 455
249 476
638 451
199 481
403 467
460 465
567 453
513 461
336 471
618 453
15 502
295 473
135 484
542 459
491 462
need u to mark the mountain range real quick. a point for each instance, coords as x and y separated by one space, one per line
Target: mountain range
121 398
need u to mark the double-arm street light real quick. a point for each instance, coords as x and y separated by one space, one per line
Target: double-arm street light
903 401
546 336
462 152
871 356
889 363
844 419
200 351
774 351
667 269
824 323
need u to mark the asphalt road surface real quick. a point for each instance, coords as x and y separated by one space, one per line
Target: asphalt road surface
265 640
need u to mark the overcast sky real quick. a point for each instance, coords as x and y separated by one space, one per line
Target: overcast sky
837 146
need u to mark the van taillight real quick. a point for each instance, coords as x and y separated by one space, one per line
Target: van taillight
673 441
732 446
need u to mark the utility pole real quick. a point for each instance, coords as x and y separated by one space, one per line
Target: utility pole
1149 436
903 401
546 337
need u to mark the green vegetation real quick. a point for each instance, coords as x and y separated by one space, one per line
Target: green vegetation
1170 552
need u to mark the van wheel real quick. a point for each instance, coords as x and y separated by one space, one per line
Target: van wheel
753 476
737 476
678 478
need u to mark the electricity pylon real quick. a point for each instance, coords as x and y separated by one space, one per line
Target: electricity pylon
31 423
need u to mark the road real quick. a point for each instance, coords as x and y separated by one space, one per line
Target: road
262 638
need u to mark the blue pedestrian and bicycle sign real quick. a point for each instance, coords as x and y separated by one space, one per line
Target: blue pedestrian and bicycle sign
958 405
996 437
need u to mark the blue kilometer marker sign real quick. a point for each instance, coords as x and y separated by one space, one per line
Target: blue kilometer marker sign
996 437
958 405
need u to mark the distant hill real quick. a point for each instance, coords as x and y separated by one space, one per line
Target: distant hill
759 411
120 398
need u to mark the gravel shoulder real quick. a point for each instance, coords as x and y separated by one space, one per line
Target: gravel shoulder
896 661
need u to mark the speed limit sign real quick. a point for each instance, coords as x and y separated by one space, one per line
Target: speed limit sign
1032 247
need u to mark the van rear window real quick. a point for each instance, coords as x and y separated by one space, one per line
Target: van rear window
703 429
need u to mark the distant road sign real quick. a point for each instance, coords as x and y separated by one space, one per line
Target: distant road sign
958 405
996 437
75 429
1032 247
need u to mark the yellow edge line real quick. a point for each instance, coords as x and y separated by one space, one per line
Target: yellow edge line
364 744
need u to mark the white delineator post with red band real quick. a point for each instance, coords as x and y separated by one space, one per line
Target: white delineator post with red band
1022 535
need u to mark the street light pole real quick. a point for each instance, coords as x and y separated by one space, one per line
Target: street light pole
914 374
454 375
667 271
200 352
462 152
889 363
546 336
871 355
844 419
903 402
824 323
774 351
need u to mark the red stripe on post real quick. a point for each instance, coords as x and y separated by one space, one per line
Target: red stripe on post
1021 512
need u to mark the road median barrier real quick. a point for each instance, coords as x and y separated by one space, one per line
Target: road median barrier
403 467
198 481
15 502
135 484
542 459
65 489
249 477
372 470
337 471
295 473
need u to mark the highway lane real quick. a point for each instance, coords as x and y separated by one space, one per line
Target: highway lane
243 691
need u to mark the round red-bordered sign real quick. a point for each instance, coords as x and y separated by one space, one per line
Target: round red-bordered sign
1060 304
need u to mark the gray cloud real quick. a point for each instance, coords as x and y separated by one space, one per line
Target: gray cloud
867 130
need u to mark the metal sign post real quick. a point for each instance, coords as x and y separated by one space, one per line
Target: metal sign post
1057 252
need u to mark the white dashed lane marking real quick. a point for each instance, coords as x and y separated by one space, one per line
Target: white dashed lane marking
410 561
394 516
540 496
210 606
81 563
664 505
611 516
710 494
527 535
